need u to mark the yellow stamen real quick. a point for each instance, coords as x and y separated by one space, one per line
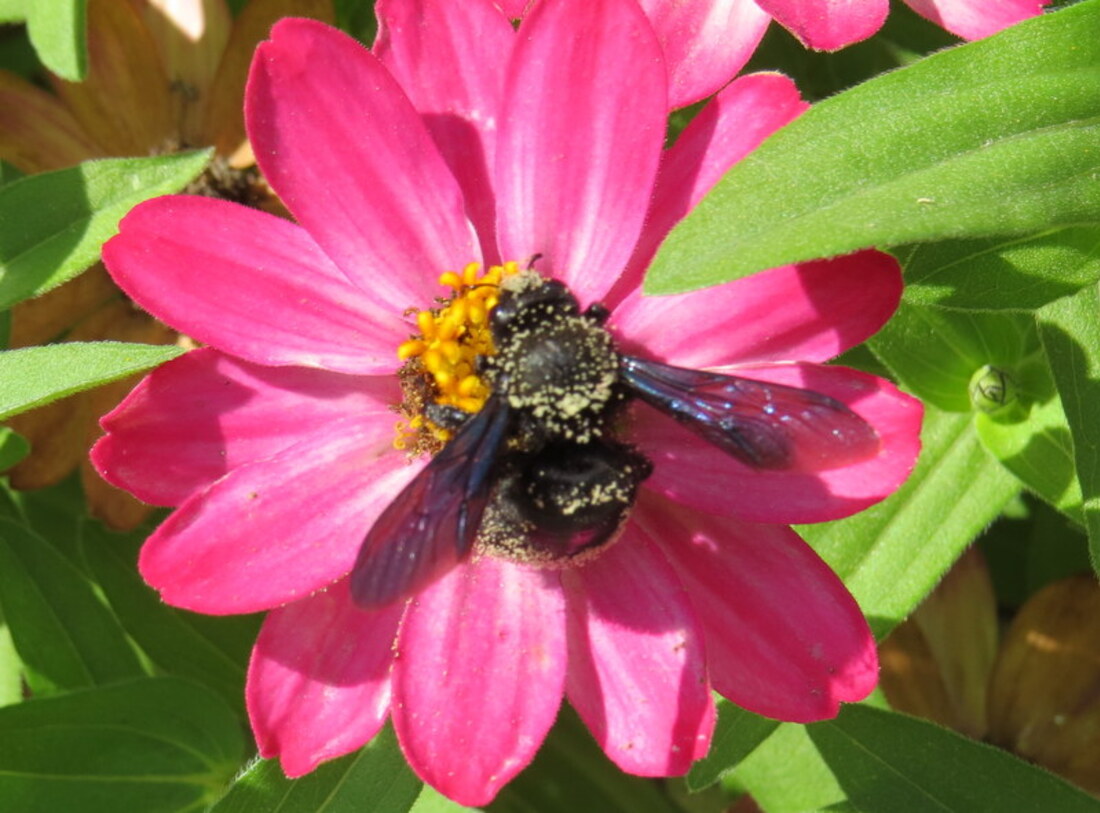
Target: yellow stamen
450 340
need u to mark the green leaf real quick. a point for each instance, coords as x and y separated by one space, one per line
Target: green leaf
211 651
11 669
1024 554
32 376
12 11
736 735
57 30
1000 273
935 352
52 225
994 137
150 745
786 774
13 447
374 778
571 773
893 763
8 173
1039 451
431 800
65 635
1070 332
891 555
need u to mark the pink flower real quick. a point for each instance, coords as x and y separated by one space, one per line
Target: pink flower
707 42
276 441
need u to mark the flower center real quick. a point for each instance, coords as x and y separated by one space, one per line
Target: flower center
441 363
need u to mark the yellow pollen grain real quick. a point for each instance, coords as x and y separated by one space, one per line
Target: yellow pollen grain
450 340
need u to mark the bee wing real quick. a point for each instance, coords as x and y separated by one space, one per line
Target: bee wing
764 425
433 522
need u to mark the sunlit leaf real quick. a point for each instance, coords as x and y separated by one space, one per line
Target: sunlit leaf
935 353
52 225
57 30
13 447
1039 450
32 376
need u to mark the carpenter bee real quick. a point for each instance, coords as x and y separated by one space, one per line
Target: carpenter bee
537 472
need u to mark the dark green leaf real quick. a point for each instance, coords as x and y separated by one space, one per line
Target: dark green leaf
571 773
8 173
998 273
1027 553
1070 332
374 778
65 635
892 763
994 137
32 376
13 447
212 651
57 29
905 37
54 514
736 735
150 745
892 554
52 225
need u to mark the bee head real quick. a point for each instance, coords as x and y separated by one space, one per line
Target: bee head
527 299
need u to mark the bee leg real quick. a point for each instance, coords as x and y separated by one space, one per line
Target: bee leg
446 416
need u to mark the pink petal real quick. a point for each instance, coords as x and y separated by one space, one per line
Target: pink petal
785 639
813 311
203 414
318 683
513 9
479 674
973 19
274 530
580 138
251 284
705 43
637 669
725 131
827 25
341 144
691 471
425 44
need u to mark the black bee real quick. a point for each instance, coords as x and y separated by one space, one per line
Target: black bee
537 470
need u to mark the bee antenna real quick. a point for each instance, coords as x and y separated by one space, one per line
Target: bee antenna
534 259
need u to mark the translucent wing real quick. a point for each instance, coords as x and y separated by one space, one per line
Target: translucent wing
766 426
433 522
